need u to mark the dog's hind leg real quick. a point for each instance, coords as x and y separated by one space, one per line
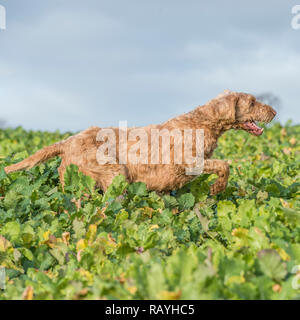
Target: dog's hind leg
61 172
106 175
221 168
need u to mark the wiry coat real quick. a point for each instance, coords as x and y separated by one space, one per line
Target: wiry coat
228 111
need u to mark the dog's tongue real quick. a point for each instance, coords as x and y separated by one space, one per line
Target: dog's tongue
252 128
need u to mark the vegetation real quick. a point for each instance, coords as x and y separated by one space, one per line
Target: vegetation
133 244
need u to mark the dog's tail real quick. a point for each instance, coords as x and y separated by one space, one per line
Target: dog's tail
39 157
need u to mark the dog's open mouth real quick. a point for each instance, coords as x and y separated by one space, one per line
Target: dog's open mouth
253 128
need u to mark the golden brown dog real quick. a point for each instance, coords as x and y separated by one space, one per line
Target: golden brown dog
229 110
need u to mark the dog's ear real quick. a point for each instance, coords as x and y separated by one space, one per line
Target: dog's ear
224 108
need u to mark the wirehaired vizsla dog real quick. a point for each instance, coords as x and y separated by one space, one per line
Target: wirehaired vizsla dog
230 110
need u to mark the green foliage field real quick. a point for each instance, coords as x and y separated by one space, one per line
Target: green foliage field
134 244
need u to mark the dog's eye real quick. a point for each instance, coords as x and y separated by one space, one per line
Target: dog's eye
252 103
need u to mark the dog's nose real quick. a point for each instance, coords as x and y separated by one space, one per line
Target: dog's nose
271 110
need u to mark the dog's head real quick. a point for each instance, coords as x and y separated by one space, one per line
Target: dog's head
241 111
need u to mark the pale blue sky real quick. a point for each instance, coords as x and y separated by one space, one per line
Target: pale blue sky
72 64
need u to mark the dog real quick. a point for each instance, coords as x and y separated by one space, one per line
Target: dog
229 110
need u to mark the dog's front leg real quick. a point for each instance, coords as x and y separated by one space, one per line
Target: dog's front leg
221 168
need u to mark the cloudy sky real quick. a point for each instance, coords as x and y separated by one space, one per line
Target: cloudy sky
68 64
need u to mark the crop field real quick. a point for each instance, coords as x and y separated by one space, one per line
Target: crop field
133 244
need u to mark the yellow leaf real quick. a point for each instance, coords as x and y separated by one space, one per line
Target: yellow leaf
50 239
28 293
4 244
91 234
132 290
46 235
175 210
101 212
50 274
167 295
258 231
285 204
283 132
87 275
293 141
66 237
153 227
81 244
284 256
148 211
240 232
235 279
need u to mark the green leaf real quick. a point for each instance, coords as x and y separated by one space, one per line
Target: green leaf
138 189
186 201
292 215
72 178
117 187
2 173
21 186
271 264
170 202
58 255
129 243
26 253
12 229
79 229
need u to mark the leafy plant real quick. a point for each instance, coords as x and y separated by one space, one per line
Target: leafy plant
131 243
